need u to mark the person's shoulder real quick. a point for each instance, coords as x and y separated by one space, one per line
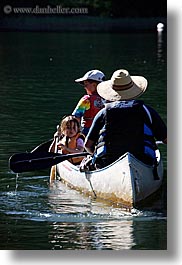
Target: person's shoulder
86 97
84 100
151 109
155 116
81 136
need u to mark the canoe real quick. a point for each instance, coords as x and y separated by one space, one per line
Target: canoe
127 180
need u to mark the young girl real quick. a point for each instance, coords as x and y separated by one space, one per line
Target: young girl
68 138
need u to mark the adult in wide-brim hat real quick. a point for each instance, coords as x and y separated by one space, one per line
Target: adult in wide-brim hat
122 86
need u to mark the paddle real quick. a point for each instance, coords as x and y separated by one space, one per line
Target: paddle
43 147
25 162
53 171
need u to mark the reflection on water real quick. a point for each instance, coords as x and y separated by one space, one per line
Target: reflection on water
98 225
37 89
160 36
113 235
61 218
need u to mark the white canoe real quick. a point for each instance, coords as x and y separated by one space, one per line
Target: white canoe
126 181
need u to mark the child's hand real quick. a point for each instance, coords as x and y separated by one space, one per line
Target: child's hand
57 134
61 146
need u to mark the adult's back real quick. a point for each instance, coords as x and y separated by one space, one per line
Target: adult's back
125 124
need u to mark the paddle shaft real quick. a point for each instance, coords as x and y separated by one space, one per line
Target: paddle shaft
53 168
43 147
25 162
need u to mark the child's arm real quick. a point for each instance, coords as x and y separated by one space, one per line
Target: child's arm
78 149
56 139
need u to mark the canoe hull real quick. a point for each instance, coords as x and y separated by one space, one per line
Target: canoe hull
126 181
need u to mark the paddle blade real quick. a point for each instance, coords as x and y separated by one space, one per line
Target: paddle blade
25 162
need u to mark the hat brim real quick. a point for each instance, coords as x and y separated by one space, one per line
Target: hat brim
80 80
106 91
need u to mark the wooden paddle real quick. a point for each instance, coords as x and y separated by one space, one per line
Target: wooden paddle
24 162
43 147
53 171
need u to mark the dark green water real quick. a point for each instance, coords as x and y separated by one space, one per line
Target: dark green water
36 89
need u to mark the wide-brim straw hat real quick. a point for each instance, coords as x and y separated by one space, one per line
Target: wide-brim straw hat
122 86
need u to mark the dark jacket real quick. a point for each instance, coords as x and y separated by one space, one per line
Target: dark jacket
128 128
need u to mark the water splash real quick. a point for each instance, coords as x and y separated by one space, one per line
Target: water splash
16 183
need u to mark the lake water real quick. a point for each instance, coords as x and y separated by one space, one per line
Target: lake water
37 89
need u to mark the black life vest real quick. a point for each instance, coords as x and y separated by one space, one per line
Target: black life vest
127 129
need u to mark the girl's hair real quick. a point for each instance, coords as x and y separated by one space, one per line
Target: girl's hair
66 121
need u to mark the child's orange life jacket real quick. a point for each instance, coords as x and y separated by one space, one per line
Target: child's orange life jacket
72 143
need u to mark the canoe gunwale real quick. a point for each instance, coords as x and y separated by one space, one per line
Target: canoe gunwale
118 182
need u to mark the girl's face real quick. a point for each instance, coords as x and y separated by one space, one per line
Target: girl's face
71 129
